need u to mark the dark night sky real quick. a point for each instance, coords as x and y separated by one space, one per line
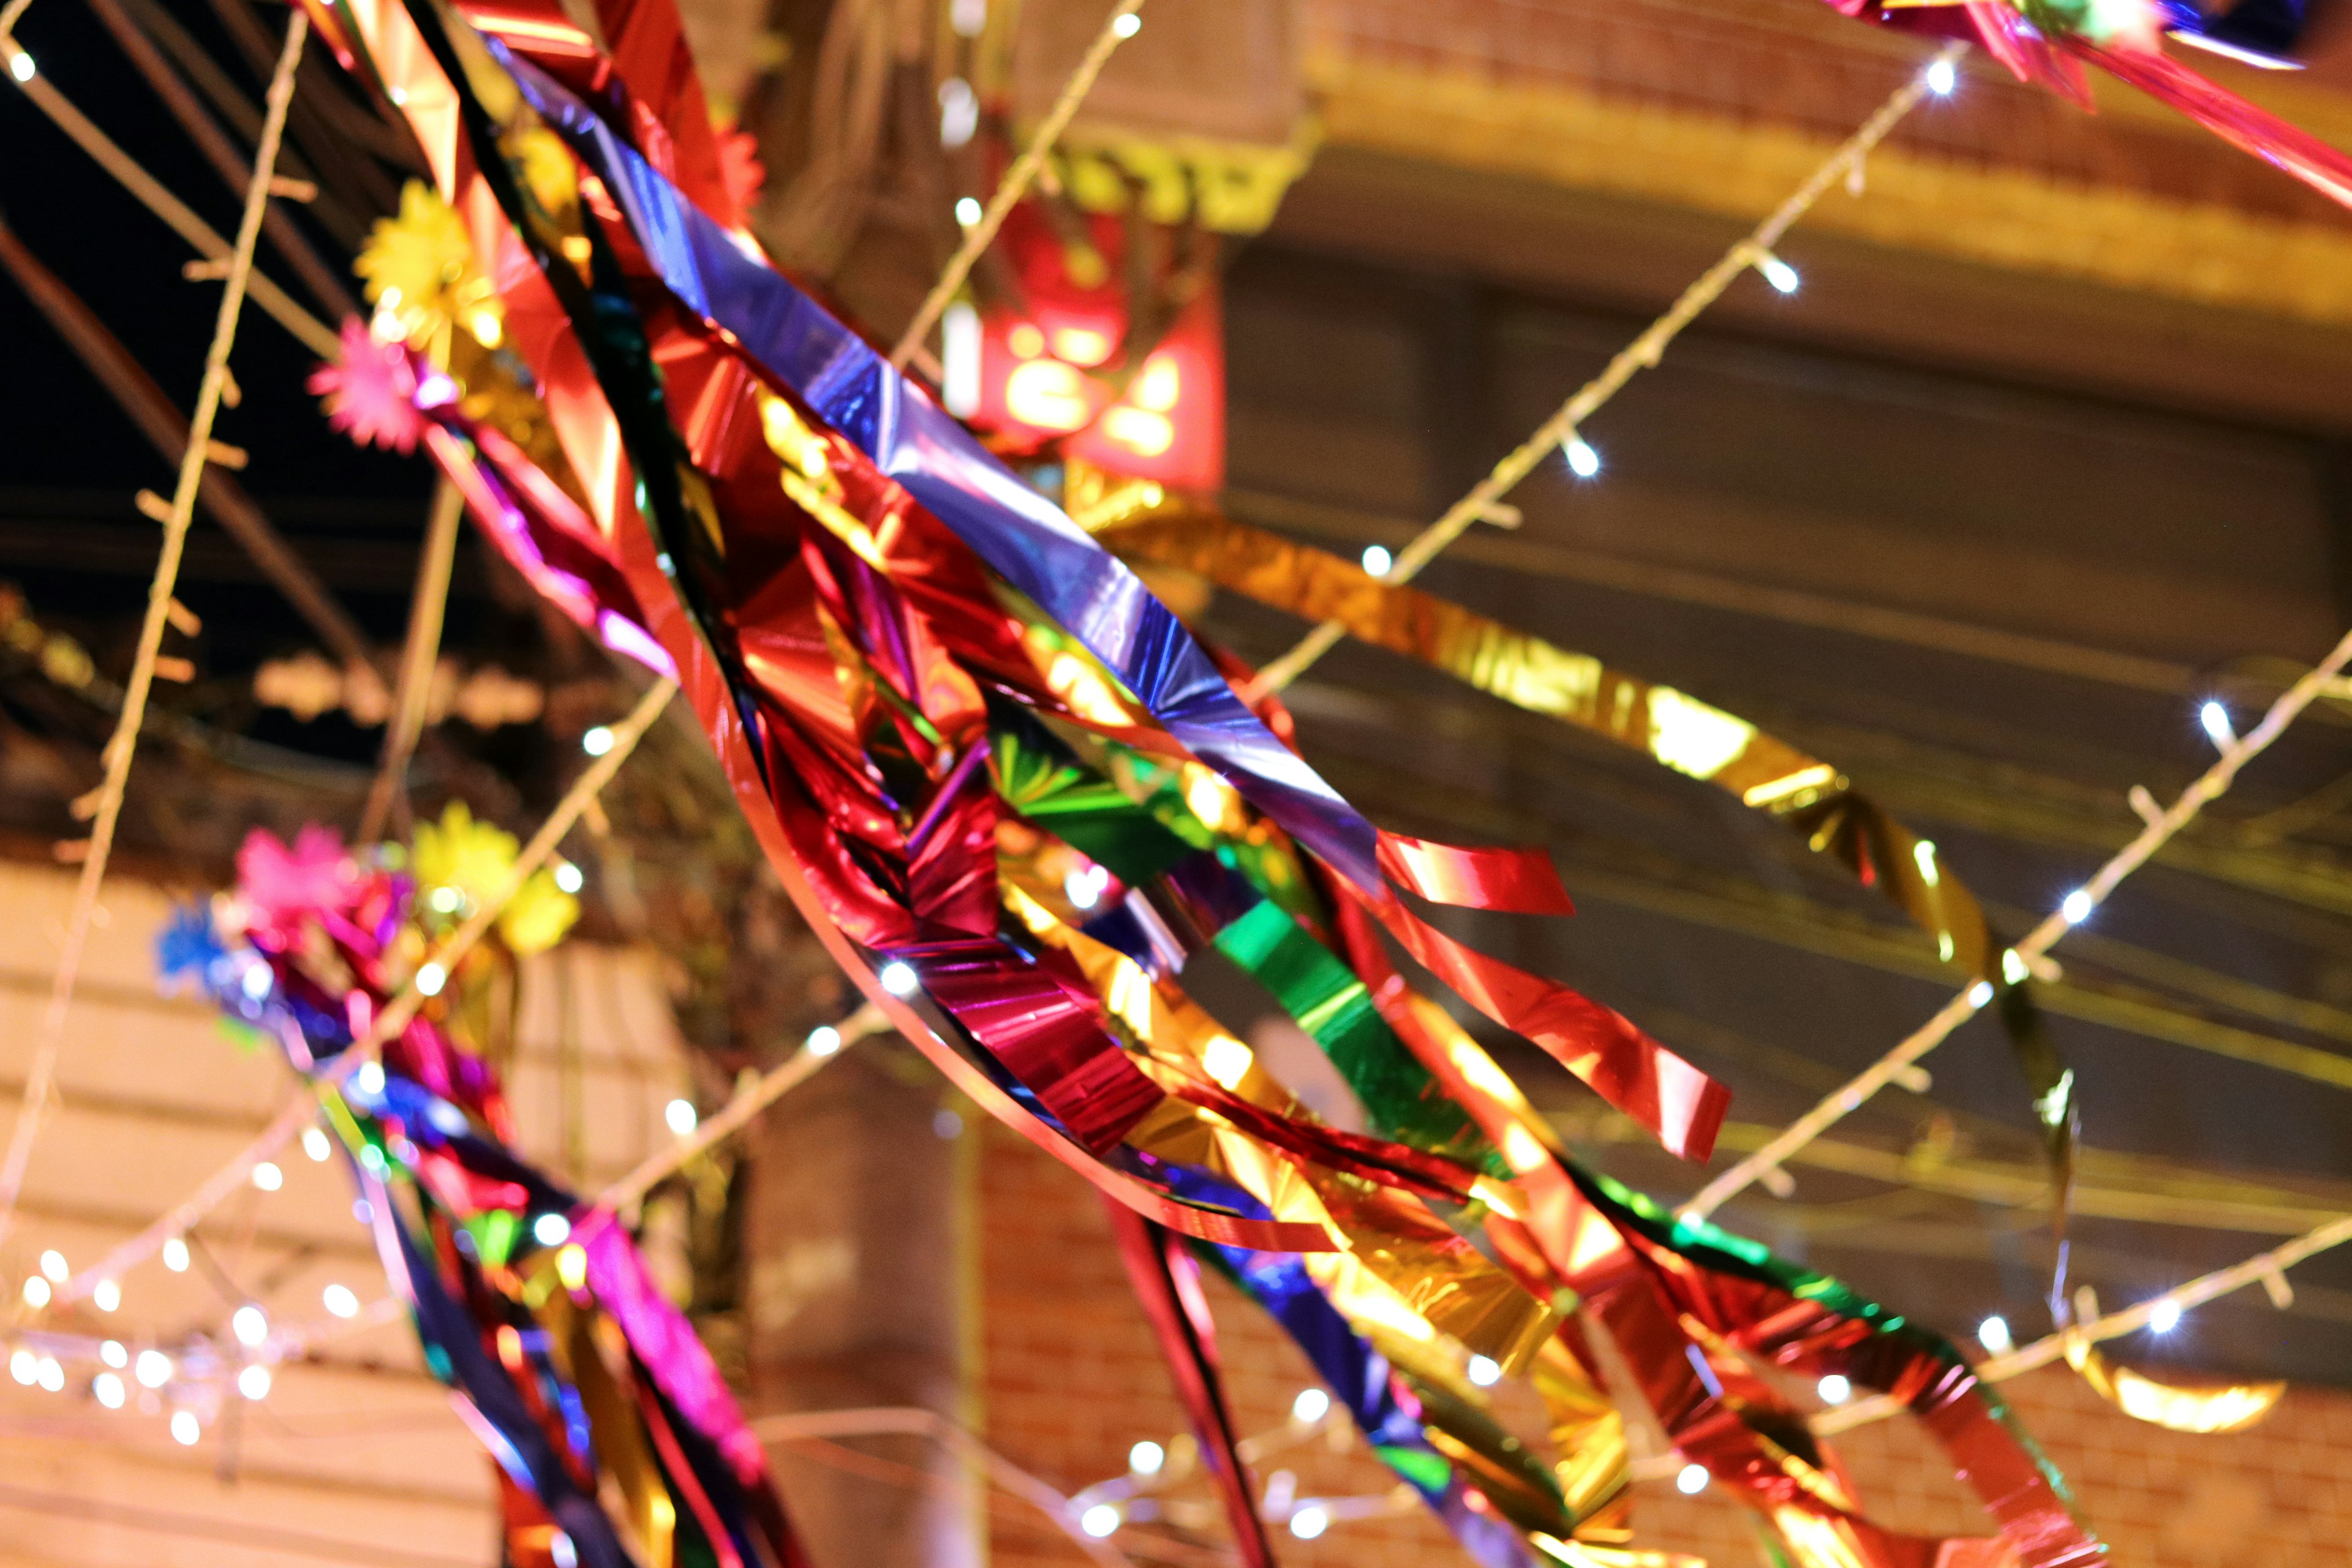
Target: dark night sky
70 462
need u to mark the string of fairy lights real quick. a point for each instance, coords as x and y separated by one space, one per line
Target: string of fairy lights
187 1379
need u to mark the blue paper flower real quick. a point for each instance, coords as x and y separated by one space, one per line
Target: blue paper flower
188 949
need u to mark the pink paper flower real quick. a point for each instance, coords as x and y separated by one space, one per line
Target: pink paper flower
371 390
739 166
282 885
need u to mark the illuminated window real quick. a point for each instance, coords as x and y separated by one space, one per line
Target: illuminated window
1081 345
1139 429
1047 395
1159 387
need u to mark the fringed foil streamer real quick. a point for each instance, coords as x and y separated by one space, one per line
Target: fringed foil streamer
937 699
616 1441
1672 728
2047 43
2231 1407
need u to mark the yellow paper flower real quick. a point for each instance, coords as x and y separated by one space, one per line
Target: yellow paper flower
536 917
547 169
421 274
458 852
474 860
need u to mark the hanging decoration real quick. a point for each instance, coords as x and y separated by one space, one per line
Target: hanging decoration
1675 730
1014 794
2049 42
614 1436
1095 354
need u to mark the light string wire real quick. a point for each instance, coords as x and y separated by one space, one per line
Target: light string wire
2267 1269
2160 828
40 1079
740 1109
1017 180
9 16
1754 249
151 192
428 607
392 1020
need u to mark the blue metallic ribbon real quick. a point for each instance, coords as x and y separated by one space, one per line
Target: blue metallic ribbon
1021 536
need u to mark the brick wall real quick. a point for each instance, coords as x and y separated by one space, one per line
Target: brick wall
1072 1379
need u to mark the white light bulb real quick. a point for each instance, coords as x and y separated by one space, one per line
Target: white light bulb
561 1551
1979 993
109 1390
2216 719
1993 1334
824 1041
369 1077
597 740
1482 1371
152 1369
968 17
250 1324
1377 560
113 1354
1309 1523
268 1177
899 979
430 978
550 1229
1099 1520
1835 1390
2164 1316
1942 79
53 1264
185 1428
1582 460
36 1292
315 1143
106 1295
341 1300
961 344
2075 907
1145 1458
682 1116
967 211
20 66
52 1375
1778 273
24 1367
1691 1479
1310 1405
253 1383
1127 26
959 111
570 877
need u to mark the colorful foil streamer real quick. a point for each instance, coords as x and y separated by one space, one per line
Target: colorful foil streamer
2046 42
992 768
584 1384
1673 729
